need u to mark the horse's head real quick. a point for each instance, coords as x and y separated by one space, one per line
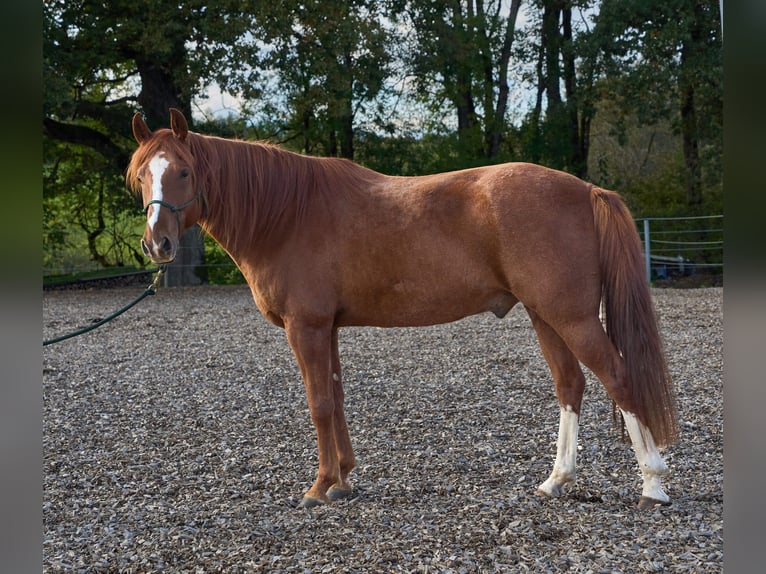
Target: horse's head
162 171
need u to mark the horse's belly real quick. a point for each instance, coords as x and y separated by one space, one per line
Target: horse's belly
401 307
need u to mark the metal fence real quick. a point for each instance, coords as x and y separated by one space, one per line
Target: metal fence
682 246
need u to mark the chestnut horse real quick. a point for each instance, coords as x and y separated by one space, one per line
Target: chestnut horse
325 243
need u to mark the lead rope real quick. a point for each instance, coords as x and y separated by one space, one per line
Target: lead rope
150 290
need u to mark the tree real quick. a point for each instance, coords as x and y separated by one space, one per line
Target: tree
323 75
462 54
663 60
86 209
102 60
332 59
559 135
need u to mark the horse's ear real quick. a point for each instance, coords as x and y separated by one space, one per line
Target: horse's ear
140 130
178 124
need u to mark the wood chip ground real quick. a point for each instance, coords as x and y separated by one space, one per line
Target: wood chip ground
177 439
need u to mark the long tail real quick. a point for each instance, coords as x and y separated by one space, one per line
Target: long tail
630 320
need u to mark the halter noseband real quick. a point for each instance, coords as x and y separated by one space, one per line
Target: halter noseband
177 208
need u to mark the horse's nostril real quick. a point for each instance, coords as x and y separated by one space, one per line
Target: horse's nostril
145 248
166 246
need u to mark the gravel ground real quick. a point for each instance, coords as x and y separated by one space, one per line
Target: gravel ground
177 439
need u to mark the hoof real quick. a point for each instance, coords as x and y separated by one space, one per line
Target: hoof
310 502
552 489
646 503
336 493
556 483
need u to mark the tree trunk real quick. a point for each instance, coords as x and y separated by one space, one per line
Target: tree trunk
94 233
537 111
160 92
188 268
690 146
496 133
555 141
466 111
347 143
333 151
576 162
347 112
462 98
551 42
690 50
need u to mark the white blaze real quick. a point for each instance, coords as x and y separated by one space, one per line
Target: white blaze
157 167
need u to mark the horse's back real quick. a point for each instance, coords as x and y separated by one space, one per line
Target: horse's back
436 248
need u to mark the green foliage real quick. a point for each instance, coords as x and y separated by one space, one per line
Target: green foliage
125 49
662 60
459 60
658 195
88 217
645 163
103 61
221 270
419 155
630 98
332 59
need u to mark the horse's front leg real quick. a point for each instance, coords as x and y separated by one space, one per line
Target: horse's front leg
312 345
345 452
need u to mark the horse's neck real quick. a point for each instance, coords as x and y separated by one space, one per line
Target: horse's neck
253 199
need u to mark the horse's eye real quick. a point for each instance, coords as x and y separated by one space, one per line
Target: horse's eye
140 179
185 172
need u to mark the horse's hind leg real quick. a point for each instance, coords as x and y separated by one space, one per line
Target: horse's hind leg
590 344
343 447
570 383
653 467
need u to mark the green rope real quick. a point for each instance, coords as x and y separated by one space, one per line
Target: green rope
150 290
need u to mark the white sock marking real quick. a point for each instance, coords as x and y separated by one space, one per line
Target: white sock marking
566 454
653 468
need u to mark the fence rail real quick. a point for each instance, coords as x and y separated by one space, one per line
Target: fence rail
685 245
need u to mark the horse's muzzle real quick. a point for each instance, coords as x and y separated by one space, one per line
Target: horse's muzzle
161 251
